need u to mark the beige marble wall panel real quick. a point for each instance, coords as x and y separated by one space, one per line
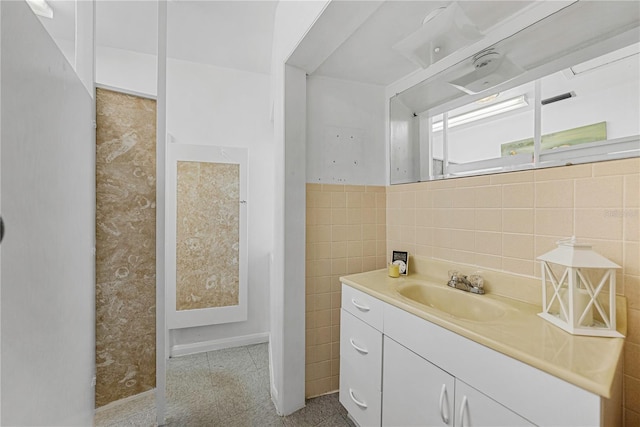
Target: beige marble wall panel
125 245
207 235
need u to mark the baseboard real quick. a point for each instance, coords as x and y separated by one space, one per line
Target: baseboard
204 346
272 382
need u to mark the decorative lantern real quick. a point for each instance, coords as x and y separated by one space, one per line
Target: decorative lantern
579 290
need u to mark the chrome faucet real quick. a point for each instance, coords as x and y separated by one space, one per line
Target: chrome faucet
473 283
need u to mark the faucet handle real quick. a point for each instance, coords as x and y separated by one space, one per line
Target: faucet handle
476 280
453 274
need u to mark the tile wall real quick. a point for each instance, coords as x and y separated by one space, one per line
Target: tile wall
505 221
346 233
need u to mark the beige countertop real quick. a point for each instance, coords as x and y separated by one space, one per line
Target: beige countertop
587 362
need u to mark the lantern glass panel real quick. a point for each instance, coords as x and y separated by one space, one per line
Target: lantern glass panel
557 277
595 281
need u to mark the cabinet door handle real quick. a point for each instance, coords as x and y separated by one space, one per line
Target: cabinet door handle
444 398
360 349
359 306
463 411
356 401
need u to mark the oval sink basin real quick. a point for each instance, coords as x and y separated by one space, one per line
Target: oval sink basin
460 304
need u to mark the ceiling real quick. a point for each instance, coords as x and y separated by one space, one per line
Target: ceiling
232 34
238 34
368 55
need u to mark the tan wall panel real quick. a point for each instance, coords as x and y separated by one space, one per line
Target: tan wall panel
125 246
207 236
342 238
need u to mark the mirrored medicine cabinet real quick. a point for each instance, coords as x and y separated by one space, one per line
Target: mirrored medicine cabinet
565 90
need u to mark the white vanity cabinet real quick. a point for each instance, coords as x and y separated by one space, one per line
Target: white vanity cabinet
473 408
418 393
361 356
398 369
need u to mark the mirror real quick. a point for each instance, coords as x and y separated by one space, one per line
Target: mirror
564 90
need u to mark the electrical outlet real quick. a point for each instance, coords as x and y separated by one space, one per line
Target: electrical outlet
93 381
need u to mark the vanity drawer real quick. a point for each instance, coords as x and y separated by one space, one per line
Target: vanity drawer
358 395
363 306
361 346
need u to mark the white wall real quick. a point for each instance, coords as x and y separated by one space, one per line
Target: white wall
223 107
85 46
292 21
72 29
62 28
404 141
48 199
345 132
129 71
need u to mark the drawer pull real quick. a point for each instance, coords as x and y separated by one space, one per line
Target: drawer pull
444 398
356 401
360 349
359 306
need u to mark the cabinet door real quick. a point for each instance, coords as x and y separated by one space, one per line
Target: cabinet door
473 408
416 392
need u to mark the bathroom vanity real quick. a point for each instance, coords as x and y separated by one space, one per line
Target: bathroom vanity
444 357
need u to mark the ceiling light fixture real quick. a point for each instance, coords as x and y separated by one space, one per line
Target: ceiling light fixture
443 31
483 113
487 99
41 8
490 69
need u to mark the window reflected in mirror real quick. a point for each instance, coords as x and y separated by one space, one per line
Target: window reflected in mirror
590 103
587 112
575 98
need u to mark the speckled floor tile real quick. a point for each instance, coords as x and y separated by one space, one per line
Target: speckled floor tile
227 388
315 412
335 420
142 419
241 391
188 376
111 415
263 415
195 419
334 399
235 359
186 364
260 355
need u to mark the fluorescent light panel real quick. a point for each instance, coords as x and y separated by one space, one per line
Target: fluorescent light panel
483 113
41 8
